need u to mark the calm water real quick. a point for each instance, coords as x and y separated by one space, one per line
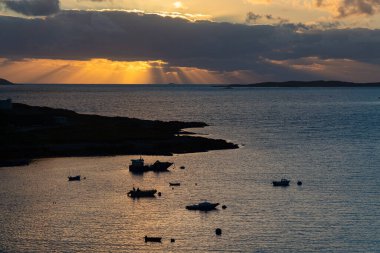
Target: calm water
328 138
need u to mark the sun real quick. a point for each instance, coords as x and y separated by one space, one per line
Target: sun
178 5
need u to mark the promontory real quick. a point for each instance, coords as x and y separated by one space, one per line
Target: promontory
31 132
5 82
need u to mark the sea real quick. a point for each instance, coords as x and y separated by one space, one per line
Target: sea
328 138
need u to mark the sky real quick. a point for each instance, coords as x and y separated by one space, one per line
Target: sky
189 41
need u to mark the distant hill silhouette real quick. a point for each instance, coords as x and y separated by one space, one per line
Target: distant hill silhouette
307 84
5 82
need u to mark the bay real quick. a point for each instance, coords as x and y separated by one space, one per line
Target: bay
327 137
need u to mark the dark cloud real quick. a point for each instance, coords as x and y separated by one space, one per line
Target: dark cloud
118 35
354 7
32 7
99 1
319 3
350 7
253 18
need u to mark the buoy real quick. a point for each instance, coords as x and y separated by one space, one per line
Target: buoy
218 231
172 240
159 194
299 183
224 206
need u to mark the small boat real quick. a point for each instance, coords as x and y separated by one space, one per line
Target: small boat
137 193
74 178
138 166
284 182
174 184
203 206
152 239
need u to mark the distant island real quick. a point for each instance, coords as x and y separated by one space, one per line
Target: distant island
314 84
5 82
31 132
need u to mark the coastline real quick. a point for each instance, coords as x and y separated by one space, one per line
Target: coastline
31 132
303 84
5 82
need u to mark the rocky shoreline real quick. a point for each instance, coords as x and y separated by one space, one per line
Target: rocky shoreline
32 132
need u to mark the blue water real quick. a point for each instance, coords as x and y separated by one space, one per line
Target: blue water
328 138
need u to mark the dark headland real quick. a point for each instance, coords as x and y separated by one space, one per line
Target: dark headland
31 132
5 82
305 84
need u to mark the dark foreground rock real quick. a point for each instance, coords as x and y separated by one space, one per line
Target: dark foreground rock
30 132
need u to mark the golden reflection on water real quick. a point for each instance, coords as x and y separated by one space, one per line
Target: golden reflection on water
96 214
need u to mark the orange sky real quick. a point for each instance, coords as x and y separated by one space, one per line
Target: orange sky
306 15
102 71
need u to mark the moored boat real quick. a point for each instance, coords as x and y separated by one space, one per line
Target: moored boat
138 166
203 206
284 182
137 193
152 239
74 178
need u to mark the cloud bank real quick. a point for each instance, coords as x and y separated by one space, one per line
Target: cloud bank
32 7
124 36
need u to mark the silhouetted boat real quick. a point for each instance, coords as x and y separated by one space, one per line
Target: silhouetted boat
137 193
139 167
203 206
74 178
174 184
283 182
152 239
